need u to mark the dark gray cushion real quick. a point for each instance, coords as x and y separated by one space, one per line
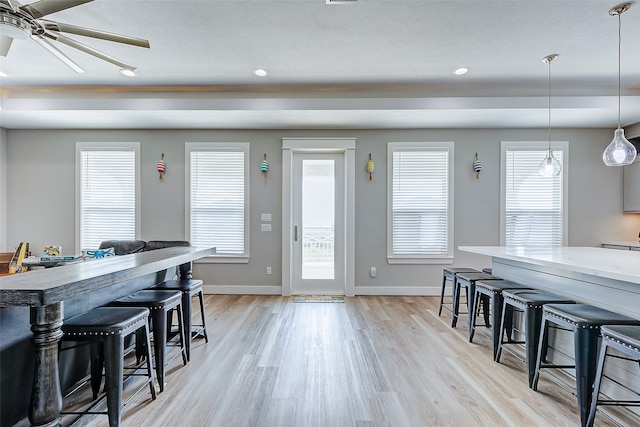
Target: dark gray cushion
124 247
161 244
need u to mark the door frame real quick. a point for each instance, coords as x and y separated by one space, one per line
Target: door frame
347 147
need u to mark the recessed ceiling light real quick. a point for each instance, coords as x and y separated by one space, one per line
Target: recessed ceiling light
260 72
128 73
460 71
2 74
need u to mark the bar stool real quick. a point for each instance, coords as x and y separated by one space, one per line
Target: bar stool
159 303
584 321
105 328
468 280
188 288
530 303
492 290
450 274
625 339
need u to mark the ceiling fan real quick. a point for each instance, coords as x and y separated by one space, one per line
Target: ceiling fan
19 21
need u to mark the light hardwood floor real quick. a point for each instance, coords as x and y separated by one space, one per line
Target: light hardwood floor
372 361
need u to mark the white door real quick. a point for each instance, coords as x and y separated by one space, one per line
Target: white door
318 239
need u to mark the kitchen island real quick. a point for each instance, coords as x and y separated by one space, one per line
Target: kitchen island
54 294
606 278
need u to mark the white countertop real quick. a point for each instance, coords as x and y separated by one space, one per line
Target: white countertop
602 262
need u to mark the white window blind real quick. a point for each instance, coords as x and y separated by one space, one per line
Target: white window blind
107 195
218 197
420 201
533 204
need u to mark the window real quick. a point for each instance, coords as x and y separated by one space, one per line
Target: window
419 219
218 198
533 207
107 193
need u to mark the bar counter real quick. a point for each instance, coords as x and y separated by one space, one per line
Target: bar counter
606 278
85 285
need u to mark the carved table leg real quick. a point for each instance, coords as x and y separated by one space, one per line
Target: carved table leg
185 271
46 396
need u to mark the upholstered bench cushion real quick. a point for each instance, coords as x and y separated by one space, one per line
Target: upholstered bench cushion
500 285
152 245
124 247
587 315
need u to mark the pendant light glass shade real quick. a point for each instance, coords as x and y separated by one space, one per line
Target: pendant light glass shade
620 152
550 166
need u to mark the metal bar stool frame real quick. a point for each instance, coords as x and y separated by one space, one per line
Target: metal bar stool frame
618 338
450 274
189 288
584 322
107 349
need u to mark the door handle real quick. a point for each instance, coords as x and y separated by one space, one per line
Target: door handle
295 233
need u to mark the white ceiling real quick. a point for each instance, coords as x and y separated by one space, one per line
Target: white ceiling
366 64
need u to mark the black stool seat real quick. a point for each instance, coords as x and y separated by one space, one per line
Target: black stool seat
492 290
530 302
159 303
109 326
585 322
468 280
497 286
188 288
625 336
154 298
587 316
449 273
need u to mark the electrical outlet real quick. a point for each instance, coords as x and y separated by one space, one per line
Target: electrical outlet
268 270
373 272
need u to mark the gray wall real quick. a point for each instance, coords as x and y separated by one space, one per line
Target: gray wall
41 196
3 190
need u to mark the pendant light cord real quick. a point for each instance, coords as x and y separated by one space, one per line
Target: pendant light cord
619 68
549 127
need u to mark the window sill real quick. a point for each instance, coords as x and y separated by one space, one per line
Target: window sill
419 260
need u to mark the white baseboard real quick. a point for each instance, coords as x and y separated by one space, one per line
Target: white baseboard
399 291
242 290
359 290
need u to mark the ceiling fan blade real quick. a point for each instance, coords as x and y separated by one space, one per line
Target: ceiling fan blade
57 53
90 51
97 34
45 7
5 44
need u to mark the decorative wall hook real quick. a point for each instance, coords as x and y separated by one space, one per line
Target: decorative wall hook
264 166
161 166
370 167
477 167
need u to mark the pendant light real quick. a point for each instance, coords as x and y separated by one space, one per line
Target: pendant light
550 166
620 152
